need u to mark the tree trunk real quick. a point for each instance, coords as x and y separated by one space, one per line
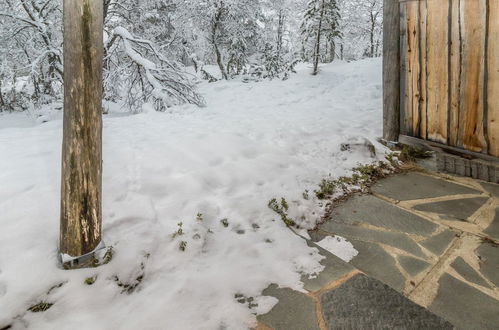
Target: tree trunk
371 34
215 25
80 227
332 47
280 33
318 42
391 70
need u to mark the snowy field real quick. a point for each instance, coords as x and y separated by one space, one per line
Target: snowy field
253 142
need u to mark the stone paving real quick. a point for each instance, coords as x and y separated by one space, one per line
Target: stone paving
428 259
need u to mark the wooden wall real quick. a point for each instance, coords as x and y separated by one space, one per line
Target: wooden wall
450 72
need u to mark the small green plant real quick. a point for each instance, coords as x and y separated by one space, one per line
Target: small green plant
225 222
305 195
363 176
179 231
40 307
90 280
182 246
199 217
412 153
281 208
129 287
108 256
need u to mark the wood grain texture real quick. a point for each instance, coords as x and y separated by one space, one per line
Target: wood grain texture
455 70
493 78
412 69
450 65
471 113
437 67
391 70
423 104
80 231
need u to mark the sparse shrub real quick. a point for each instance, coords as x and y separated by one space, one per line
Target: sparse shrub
281 208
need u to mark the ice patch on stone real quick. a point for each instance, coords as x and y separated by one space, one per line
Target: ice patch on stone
339 246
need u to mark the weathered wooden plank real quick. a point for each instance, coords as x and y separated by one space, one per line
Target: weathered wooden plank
455 67
412 69
471 113
493 78
437 69
423 104
391 70
404 127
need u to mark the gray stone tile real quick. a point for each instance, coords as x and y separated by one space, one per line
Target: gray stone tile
493 229
417 186
467 272
413 266
397 240
374 211
375 261
492 188
489 262
465 306
294 311
365 303
334 269
460 209
438 244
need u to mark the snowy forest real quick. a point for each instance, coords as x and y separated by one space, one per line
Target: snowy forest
157 50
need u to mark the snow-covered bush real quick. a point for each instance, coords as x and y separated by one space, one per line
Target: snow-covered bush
145 75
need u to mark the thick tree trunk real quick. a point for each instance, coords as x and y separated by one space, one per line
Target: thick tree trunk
318 42
391 70
80 227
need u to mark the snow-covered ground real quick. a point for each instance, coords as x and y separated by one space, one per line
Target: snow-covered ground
253 142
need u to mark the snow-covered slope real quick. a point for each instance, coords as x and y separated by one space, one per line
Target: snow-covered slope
253 142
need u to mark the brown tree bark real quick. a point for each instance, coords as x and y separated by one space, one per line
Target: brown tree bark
80 223
391 70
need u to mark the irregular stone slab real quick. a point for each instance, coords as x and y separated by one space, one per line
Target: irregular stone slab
375 261
365 303
417 186
294 311
465 306
374 211
489 262
397 240
493 229
413 266
492 188
438 244
335 269
467 272
459 209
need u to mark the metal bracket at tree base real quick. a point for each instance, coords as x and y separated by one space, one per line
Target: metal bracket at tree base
87 260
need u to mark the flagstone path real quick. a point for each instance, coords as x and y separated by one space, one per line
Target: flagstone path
428 259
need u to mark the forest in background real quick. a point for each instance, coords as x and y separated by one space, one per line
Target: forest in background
157 50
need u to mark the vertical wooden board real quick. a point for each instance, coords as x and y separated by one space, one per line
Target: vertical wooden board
437 68
412 69
423 104
455 65
404 126
493 78
471 112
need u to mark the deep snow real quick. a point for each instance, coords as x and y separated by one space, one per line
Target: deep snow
253 142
